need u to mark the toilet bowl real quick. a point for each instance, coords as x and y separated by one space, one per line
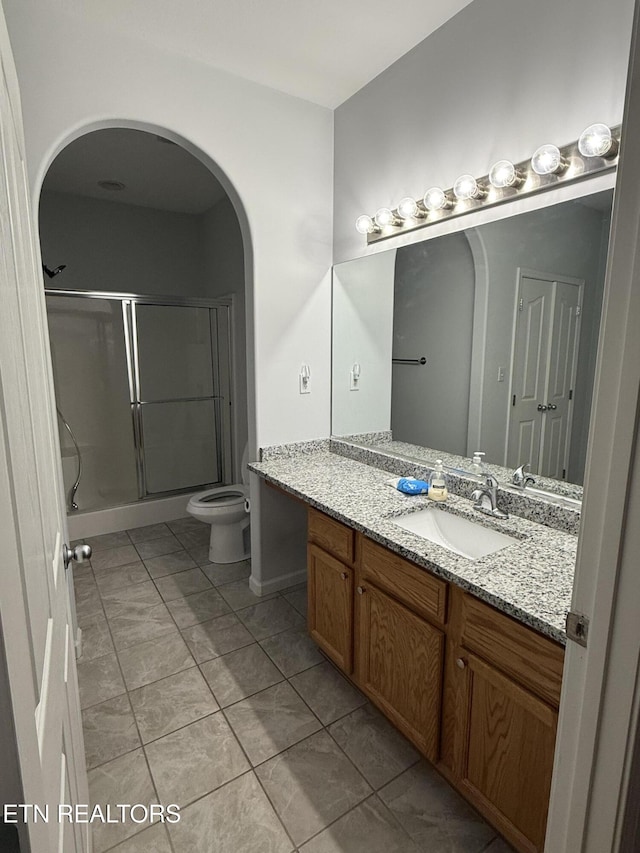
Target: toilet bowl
226 509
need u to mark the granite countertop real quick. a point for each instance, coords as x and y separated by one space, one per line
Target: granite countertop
531 580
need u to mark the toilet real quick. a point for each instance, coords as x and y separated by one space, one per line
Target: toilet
226 509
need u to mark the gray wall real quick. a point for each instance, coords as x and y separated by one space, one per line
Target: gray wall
433 316
111 246
497 80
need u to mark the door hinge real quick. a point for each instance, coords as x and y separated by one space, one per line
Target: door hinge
564 473
571 394
521 305
577 627
578 310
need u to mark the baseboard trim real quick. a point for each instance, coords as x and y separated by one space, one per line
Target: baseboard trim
276 584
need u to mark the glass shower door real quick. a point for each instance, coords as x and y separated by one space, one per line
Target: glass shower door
176 404
90 372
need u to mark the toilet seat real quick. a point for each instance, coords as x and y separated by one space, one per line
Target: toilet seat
219 498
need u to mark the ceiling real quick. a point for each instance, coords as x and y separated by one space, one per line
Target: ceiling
320 50
156 174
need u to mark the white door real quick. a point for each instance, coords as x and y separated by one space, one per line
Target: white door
35 608
543 373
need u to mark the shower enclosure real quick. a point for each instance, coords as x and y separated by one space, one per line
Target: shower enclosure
145 385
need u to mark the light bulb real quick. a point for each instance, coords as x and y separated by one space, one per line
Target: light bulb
548 160
408 209
384 216
597 141
504 174
365 224
467 187
436 199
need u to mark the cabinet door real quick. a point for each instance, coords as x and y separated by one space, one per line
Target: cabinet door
508 737
400 659
331 606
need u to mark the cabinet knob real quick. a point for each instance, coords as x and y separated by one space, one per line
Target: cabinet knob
359 590
461 663
344 575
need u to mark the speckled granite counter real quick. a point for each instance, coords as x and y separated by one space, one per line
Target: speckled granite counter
530 580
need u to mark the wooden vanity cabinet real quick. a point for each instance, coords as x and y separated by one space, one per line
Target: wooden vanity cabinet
330 558
476 691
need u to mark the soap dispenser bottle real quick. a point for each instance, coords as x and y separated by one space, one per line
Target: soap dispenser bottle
437 483
477 467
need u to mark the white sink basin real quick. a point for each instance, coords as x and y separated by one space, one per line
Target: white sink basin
464 537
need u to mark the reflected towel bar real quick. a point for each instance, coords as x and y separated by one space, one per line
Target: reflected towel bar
422 360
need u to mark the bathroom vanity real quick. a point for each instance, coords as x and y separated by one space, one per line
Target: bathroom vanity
464 656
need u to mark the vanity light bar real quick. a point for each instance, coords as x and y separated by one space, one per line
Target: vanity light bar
595 152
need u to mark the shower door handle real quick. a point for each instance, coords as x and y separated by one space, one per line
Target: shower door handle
78 554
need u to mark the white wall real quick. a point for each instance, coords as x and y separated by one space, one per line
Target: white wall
362 333
111 246
275 153
497 80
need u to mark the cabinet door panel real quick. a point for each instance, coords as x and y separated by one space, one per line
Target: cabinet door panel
400 666
509 752
331 606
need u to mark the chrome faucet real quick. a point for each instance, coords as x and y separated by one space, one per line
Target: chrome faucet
486 499
520 477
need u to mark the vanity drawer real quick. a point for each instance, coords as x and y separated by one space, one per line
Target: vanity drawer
410 584
533 660
332 536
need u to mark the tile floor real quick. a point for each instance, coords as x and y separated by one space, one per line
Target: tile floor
196 692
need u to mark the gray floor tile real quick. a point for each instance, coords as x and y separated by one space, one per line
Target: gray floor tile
140 626
236 818
312 784
298 599
499 846
131 599
197 608
292 651
434 815
270 617
200 553
194 538
109 730
328 694
195 760
149 662
377 749
124 780
114 557
148 533
239 674
209 640
87 597
170 704
116 579
96 638
108 540
238 595
169 564
369 828
158 547
182 525
182 584
99 680
271 721
152 840
223 573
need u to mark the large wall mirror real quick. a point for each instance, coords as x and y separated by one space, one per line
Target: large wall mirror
484 339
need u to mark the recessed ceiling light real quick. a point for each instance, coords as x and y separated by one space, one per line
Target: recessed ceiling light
112 186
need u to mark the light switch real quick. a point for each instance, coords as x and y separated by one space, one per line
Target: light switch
354 377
